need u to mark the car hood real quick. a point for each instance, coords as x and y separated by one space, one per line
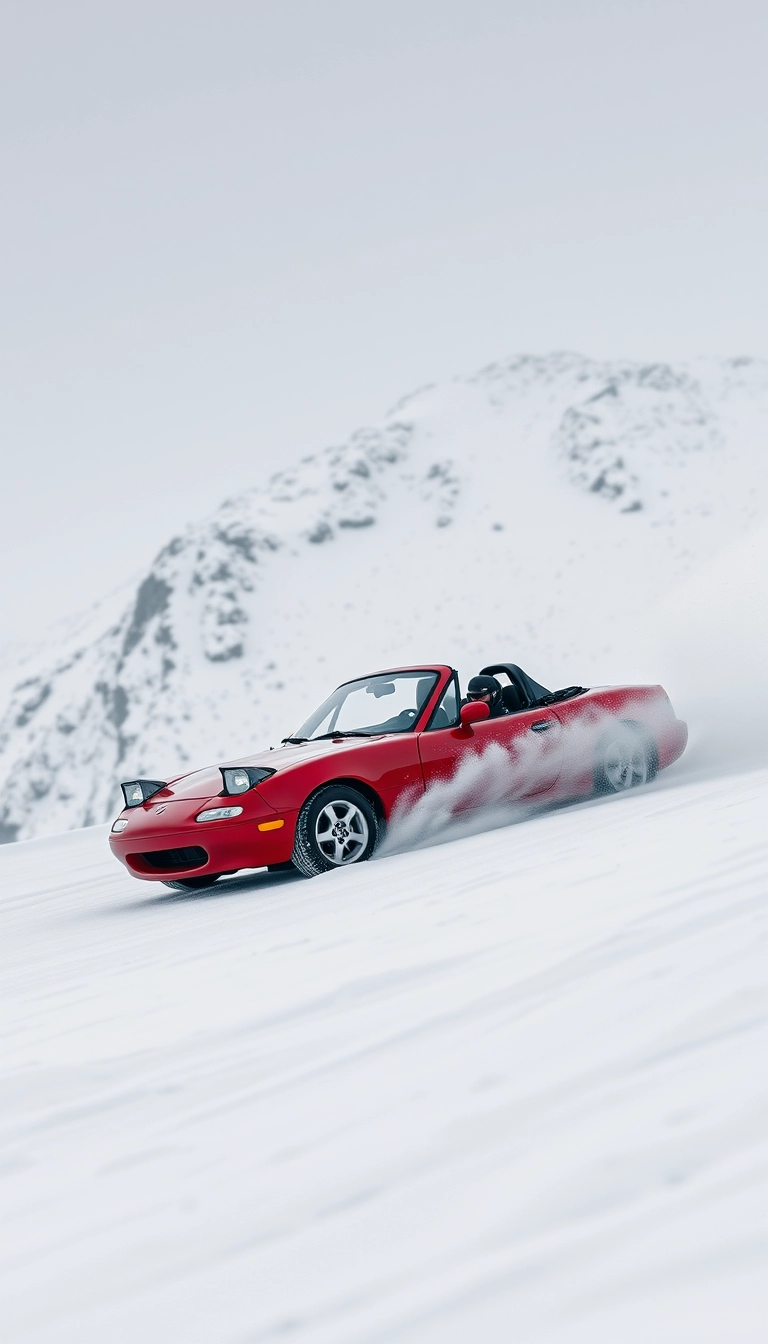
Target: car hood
284 757
200 784
208 782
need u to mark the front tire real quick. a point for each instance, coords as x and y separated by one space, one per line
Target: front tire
626 759
336 827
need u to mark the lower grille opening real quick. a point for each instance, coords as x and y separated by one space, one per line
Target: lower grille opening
164 860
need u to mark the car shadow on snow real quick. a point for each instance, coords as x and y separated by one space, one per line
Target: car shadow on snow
253 881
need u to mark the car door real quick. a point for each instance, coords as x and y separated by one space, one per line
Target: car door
531 742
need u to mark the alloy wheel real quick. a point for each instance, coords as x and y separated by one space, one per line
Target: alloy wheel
341 832
625 764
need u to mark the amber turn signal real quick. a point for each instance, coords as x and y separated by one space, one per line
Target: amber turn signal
271 825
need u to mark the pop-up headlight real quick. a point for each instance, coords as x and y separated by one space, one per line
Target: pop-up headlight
241 778
139 790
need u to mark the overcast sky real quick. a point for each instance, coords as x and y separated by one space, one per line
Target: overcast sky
232 232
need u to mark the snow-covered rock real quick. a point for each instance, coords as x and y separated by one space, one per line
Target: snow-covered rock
536 511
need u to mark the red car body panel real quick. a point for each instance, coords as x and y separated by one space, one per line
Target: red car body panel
443 751
552 749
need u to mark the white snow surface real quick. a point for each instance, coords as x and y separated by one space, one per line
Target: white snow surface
509 1087
539 511
505 1082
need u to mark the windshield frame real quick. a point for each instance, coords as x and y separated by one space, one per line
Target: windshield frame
337 699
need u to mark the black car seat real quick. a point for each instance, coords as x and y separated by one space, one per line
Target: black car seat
424 688
440 719
513 701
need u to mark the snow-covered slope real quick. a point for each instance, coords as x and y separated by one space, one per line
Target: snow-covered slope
536 511
506 1089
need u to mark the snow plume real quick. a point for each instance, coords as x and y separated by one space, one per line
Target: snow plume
714 642
478 797
496 786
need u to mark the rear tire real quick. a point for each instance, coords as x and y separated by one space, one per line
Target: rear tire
193 883
336 827
626 759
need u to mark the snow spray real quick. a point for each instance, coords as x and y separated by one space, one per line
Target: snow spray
497 785
712 637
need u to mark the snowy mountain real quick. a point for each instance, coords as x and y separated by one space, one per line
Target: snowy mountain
538 510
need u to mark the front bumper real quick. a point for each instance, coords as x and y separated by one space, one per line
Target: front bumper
226 845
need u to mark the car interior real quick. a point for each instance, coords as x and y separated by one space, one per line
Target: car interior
518 690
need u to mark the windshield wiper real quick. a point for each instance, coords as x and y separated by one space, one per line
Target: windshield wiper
353 733
296 741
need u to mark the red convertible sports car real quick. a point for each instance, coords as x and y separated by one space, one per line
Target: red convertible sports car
375 746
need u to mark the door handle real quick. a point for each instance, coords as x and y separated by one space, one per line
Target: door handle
541 725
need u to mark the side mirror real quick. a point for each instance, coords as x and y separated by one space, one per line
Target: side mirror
473 712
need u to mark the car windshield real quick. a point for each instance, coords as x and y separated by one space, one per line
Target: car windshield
390 703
